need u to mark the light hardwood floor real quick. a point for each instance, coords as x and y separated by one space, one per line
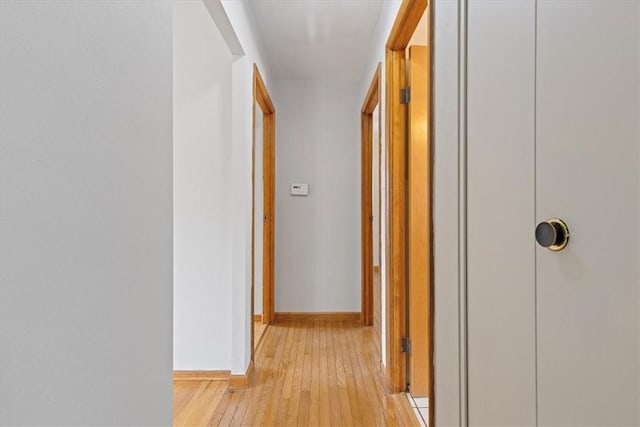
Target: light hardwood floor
259 329
311 373
195 401
377 308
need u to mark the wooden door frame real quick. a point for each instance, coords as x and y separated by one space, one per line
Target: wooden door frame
405 24
262 100
371 101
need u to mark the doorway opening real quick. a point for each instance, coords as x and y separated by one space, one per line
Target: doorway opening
263 212
409 275
371 207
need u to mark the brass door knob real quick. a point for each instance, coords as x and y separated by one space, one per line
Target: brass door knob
552 234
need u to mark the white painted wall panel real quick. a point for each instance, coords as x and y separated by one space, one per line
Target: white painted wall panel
375 186
85 213
258 217
202 191
318 236
446 213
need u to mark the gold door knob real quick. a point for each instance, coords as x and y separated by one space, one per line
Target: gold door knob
552 234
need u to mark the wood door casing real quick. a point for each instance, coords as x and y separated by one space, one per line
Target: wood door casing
404 26
262 104
367 237
371 101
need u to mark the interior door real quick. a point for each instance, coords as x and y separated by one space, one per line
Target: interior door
419 222
501 249
587 162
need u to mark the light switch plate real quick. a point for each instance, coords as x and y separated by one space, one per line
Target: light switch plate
299 189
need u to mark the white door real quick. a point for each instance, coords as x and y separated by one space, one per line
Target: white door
587 162
501 213
553 131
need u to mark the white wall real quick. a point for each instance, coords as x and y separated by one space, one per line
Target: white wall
258 210
213 258
446 215
242 129
388 14
202 194
375 187
318 237
86 242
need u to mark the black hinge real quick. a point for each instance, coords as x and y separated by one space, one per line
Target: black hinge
406 345
405 95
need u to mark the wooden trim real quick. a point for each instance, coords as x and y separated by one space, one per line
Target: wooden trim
366 123
269 264
201 375
240 381
261 93
405 23
257 317
432 306
262 103
338 316
395 242
380 184
372 99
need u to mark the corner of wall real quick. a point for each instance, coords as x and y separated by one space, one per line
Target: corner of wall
379 37
244 27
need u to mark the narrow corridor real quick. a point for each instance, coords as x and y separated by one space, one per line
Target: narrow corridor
308 373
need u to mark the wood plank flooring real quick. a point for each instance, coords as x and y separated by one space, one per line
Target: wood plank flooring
195 401
311 373
377 307
259 329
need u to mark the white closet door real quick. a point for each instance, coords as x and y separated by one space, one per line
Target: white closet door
501 249
587 166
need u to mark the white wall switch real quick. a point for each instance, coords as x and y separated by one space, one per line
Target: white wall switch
298 189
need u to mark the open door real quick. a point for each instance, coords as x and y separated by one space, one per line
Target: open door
419 222
408 166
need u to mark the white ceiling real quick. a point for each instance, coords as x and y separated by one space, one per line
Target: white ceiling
316 39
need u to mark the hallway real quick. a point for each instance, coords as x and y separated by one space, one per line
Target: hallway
432 197
315 373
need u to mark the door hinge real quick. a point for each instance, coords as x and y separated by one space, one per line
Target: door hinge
370 218
405 95
406 345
